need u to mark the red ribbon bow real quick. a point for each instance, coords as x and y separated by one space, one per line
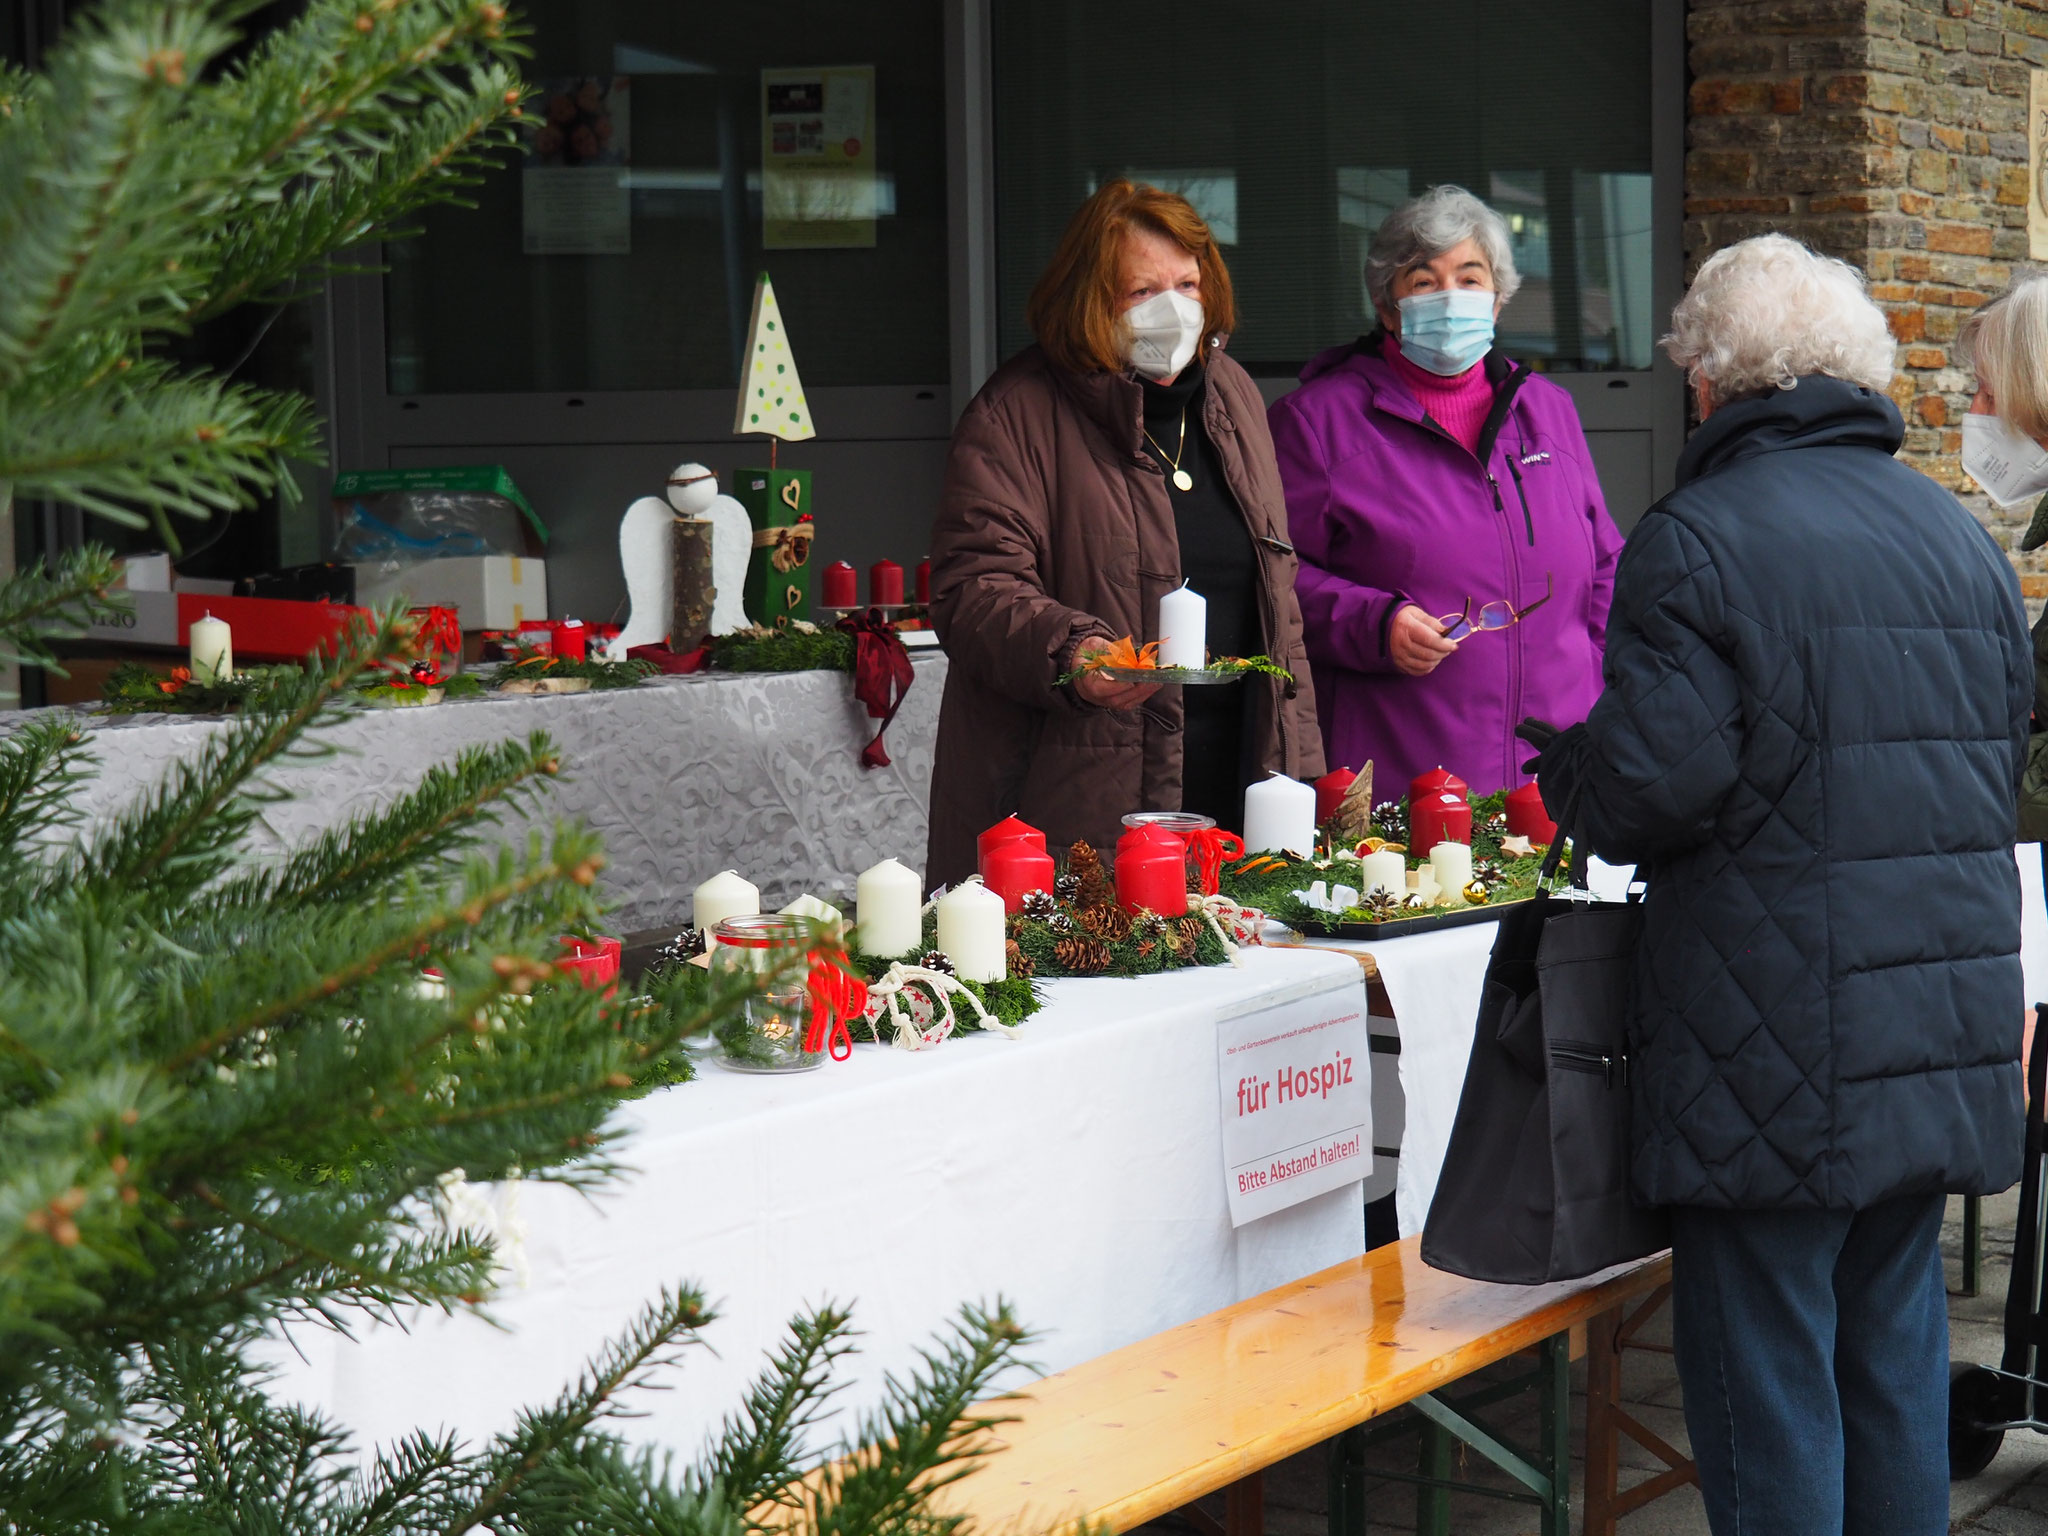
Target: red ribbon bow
882 675
1212 848
837 995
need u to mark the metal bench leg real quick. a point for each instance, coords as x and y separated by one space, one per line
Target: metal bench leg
1433 1502
1347 1484
1556 1419
1603 1436
1244 1506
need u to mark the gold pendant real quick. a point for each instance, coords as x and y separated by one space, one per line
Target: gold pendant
1184 480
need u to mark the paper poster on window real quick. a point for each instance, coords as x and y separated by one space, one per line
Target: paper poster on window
574 196
818 157
2037 164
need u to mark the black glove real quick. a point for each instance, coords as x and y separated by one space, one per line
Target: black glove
1539 734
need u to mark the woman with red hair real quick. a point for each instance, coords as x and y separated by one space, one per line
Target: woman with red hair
1096 471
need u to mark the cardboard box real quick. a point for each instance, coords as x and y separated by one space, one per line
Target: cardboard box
778 576
265 629
486 591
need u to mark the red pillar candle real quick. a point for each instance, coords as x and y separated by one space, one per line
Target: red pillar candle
842 585
1011 869
1152 871
1436 779
1009 830
1440 817
572 640
885 584
924 579
1330 789
1527 816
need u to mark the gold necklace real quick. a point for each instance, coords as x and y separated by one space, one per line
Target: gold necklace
1181 478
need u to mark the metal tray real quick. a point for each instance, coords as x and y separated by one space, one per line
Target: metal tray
1402 927
1171 674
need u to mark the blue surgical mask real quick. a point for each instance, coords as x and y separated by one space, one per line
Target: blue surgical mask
1448 330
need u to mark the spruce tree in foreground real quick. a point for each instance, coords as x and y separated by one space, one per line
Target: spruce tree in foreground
227 1093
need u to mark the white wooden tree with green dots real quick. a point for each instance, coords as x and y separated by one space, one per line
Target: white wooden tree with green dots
771 395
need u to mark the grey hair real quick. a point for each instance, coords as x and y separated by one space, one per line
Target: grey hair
1424 227
1766 312
2006 345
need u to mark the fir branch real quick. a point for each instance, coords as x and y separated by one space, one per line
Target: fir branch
41 767
53 602
758 1449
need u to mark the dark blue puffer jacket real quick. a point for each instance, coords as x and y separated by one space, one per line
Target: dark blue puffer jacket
1810 743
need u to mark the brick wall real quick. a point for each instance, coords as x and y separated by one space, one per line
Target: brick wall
1890 133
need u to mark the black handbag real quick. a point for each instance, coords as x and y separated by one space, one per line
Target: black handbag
1535 1182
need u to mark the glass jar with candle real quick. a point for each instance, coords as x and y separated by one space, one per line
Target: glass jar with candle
1208 850
769 1035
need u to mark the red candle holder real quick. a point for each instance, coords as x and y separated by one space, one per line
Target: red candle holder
1009 830
841 586
1438 817
1330 791
1014 869
885 584
924 580
1527 816
1152 871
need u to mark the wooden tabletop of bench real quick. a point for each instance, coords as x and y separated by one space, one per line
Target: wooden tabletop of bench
1131 1435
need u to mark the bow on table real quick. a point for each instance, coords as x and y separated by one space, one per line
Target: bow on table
1212 848
881 676
836 995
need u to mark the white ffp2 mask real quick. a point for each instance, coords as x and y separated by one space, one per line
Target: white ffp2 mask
1163 334
2011 468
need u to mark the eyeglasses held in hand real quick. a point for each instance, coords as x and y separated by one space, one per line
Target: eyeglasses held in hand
1494 615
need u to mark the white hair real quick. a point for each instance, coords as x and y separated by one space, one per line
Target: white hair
2006 345
1766 312
1424 227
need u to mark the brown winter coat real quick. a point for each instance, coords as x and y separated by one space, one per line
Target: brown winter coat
1056 526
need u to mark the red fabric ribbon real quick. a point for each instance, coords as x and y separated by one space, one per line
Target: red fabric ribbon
882 675
438 632
837 995
1212 848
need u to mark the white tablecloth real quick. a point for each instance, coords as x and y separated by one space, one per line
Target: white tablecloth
1077 1170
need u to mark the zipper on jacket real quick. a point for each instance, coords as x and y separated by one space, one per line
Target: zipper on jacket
1577 1056
1521 490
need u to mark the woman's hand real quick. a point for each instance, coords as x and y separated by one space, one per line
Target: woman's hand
1103 692
1416 642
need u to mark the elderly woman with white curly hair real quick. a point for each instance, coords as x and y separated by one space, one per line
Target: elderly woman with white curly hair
1456 556
1810 744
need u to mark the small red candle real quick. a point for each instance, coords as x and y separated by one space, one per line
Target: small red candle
924 579
1009 830
842 585
1439 817
1330 790
885 584
572 640
1014 868
1527 816
1151 872
1437 778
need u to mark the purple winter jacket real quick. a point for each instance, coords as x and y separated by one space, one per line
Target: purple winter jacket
1386 508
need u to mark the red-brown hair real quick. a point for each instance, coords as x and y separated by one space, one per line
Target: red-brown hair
1075 309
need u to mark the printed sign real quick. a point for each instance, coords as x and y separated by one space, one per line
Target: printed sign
818 184
2037 164
1296 1085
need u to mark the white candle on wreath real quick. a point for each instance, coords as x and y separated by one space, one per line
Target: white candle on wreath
1280 816
971 932
724 895
213 650
1385 871
1183 628
1452 863
888 910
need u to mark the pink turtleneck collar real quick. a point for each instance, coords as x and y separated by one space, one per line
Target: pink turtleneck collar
1459 404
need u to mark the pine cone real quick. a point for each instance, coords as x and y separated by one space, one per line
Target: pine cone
680 950
1020 963
1060 923
1039 905
938 960
1111 924
1082 956
1085 865
1066 887
1190 928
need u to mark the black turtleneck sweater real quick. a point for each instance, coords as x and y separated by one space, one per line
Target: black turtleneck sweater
1217 558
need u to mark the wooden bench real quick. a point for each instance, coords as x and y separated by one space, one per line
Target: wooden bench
1207 1406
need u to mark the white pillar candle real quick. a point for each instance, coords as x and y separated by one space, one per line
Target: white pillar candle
1452 865
1385 871
213 650
724 895
1280 814
1183 629
888 906
1426 890
971 932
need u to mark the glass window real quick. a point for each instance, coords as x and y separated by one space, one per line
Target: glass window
620 251
1297 129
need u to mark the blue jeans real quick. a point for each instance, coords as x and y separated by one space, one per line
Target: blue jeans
1813 1350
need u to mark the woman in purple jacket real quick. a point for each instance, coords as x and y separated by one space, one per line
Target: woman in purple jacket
1456 556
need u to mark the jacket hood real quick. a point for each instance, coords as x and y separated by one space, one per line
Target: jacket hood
1816 412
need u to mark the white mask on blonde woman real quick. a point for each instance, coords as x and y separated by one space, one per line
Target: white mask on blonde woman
2011 468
